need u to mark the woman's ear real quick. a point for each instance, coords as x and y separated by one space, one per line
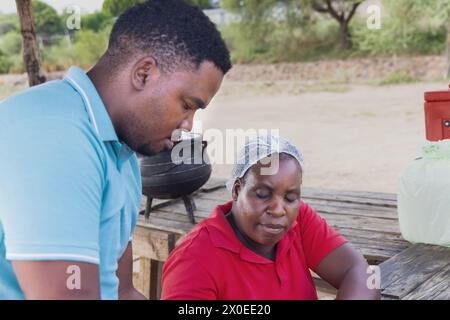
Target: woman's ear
236 189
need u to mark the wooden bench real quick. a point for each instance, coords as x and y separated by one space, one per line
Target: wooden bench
368 220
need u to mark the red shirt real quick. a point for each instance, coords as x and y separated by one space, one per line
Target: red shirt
211 262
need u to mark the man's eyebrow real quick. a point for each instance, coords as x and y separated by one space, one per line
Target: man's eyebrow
199 102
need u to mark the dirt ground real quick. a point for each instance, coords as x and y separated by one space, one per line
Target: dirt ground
359 138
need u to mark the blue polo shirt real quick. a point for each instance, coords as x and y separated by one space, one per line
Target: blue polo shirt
69 189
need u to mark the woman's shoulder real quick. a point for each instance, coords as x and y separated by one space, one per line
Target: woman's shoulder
305 210
195 244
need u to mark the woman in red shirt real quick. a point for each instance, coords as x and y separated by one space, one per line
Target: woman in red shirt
263 243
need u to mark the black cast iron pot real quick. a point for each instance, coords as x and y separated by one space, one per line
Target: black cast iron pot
176 173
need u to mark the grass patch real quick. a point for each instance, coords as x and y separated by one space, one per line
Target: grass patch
8 89
398 77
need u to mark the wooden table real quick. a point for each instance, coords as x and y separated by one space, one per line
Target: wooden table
421 272
368 220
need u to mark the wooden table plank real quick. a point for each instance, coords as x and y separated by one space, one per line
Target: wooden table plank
380 199
436 288
406 271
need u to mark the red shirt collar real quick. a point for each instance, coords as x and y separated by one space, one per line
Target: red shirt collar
222 236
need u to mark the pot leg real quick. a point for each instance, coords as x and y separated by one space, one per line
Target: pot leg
148 207
190 207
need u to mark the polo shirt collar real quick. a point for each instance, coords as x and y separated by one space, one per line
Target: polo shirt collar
223 236
100 119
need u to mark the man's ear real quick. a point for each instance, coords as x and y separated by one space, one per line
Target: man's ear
236 189
144 70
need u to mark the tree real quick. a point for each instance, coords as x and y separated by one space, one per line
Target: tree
116 7
96 21
47 20
340 10
204 4
31 56
254 28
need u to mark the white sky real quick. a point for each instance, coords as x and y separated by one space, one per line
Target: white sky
9 6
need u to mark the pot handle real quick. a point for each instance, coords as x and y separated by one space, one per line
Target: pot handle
204 145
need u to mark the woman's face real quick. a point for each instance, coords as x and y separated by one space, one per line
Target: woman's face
265 206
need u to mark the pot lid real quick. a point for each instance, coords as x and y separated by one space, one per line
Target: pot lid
441 95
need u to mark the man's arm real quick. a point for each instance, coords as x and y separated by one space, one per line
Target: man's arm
347 270
58 280
125 275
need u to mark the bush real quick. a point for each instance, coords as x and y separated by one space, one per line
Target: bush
16 62
5 64
246 42
397 78
410 28
88 46
8 22
278 42
58 57
96 21
391 40
306 43
11 43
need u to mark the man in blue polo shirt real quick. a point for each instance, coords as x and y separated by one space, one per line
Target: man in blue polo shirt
70 183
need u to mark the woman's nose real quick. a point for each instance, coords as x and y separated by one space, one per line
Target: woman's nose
277 208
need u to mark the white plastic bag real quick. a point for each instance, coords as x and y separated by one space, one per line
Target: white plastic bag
424 196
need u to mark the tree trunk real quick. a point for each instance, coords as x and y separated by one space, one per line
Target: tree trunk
345 37
30 47
447 73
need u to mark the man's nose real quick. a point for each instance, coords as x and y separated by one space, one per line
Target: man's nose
187 123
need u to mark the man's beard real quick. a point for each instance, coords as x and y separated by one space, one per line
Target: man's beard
146 150
131 136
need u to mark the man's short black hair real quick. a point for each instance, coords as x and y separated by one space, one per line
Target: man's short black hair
173 32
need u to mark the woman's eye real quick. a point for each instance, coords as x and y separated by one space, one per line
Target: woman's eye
186 107
291 197
262 194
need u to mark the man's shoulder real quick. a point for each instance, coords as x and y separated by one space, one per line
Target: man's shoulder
53 111
51 99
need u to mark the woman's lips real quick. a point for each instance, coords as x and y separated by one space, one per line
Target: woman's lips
273 228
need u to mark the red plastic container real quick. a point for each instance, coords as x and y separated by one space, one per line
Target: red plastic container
437 115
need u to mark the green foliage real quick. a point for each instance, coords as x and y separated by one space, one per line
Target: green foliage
117 7
265 31
397 78
87 48
249 38
8 22
11 43
418 27
5 64
411 28
96 21
204 4
90 46
16 64
47 20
